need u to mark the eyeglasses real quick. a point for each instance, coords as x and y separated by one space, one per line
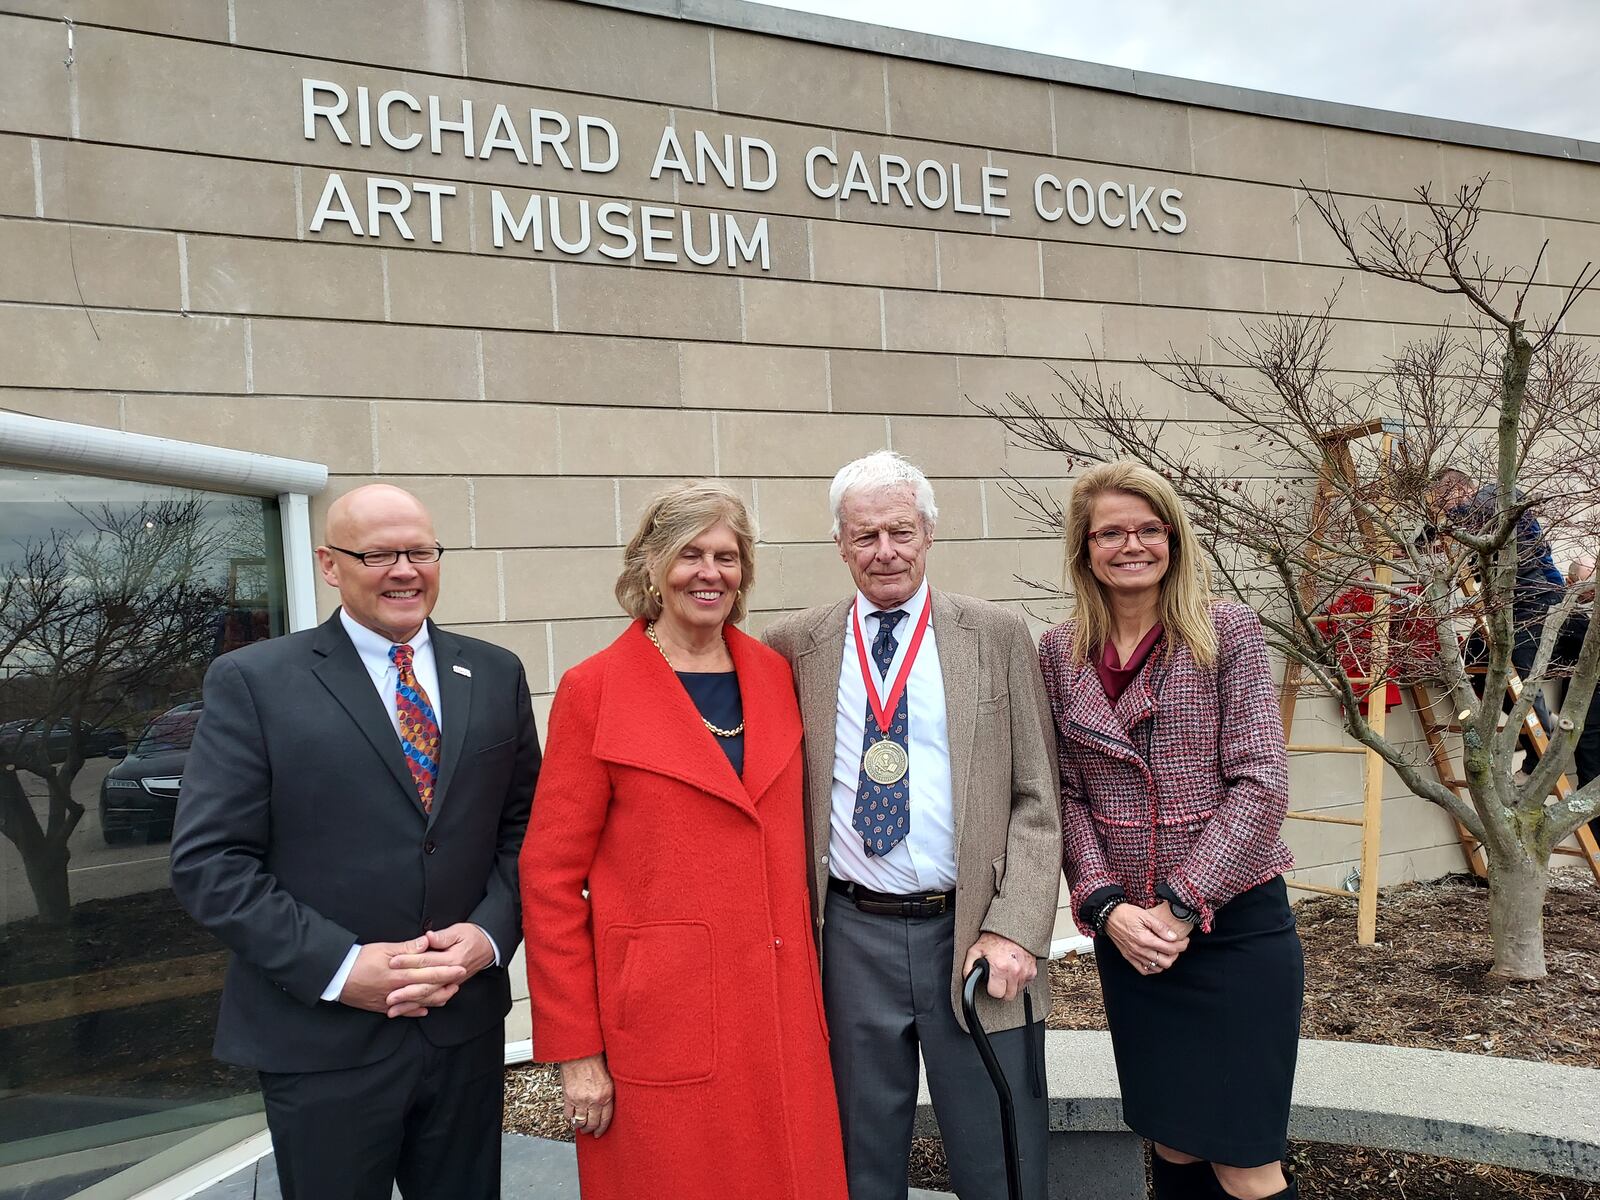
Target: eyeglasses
1152 534
421 556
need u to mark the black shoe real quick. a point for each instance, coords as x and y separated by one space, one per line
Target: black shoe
1291 1192
1182 1181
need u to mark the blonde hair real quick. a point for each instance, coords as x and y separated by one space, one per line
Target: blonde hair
1186 599
673 519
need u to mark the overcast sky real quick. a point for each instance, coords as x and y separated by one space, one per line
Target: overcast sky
1523 64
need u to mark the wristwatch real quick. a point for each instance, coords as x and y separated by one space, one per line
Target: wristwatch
1180 910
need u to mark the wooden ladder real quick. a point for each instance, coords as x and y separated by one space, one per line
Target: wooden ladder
1444 766
1533 730
1450 775
1338 465
1337 458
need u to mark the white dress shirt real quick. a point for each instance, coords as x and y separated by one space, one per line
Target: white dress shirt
374 651
925 861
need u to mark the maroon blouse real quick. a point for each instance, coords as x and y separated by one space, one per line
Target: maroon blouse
1115 677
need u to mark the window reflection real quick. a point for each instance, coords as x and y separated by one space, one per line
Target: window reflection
114 598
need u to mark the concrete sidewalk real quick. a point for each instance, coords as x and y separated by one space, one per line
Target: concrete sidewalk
534 1169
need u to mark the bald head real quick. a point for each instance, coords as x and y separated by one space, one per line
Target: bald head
373 503
391 599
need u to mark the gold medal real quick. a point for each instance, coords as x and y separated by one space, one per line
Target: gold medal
885 762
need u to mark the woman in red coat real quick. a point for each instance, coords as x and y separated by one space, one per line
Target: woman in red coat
671 966
1174 783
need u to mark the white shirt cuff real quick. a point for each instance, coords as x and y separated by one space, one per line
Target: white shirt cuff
336 985
492 944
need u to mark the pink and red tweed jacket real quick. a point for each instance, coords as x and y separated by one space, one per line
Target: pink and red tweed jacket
1184 780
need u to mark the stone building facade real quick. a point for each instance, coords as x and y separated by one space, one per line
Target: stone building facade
533 258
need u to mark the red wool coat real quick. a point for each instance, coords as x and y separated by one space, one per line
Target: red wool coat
691 962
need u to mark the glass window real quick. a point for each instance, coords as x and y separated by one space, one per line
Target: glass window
114 597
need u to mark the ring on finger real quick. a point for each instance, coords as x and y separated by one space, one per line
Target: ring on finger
1154 963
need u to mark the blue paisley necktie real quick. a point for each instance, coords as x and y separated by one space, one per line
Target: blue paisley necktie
883 810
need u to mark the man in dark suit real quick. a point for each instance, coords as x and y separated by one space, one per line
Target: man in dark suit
352 810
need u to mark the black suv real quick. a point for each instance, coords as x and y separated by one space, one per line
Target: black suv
139 796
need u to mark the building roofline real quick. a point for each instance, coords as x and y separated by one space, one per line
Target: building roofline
902 43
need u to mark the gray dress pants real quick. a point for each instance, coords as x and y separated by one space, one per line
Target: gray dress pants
886 986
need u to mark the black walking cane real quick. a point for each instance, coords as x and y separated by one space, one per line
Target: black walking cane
1008 1113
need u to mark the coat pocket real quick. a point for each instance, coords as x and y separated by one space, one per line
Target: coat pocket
658 1002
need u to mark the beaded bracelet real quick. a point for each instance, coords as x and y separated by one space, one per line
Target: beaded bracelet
1103 913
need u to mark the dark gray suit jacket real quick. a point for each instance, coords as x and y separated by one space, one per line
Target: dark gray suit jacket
299 832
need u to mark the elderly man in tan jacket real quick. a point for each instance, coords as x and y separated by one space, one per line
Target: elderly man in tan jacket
935 838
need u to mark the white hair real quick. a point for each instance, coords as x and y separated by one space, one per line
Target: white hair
878 470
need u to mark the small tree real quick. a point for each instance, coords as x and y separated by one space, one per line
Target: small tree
1507 398
89 624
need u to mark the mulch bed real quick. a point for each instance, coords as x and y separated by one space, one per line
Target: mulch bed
157 1049
1425 984
147 927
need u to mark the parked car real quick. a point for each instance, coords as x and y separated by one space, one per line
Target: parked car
20 740
139 796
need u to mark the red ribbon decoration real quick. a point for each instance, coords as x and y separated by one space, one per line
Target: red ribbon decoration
883 710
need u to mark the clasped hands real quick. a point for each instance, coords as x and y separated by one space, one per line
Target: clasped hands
407 979
1149 938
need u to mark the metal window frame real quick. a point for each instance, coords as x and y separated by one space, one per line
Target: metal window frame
29 441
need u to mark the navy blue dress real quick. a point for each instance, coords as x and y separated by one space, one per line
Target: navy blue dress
716 695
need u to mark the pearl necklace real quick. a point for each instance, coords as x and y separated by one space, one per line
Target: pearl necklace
650 632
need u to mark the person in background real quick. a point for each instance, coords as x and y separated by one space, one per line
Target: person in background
1580 572
935 841
352 809
1174 785
671 967
1459 499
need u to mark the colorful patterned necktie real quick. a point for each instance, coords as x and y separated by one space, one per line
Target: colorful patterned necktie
883 810
419 728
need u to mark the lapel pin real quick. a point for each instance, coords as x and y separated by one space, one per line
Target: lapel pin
460 670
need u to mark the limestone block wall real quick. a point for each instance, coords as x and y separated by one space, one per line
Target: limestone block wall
160 273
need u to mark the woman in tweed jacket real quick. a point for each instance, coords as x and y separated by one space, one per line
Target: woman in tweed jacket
1174 784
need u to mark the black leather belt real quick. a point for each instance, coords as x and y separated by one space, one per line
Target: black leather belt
886 904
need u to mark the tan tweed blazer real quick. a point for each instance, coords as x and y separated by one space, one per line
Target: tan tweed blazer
1002 772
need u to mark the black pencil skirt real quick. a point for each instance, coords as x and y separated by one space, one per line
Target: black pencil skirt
1206 1049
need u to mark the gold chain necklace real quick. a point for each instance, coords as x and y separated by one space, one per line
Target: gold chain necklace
650 632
